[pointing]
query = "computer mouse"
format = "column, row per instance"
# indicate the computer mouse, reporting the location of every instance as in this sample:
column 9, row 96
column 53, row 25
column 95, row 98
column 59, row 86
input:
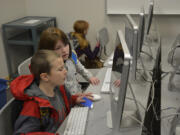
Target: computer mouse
column 87, row 103
column 96, row 97
column 110, row 62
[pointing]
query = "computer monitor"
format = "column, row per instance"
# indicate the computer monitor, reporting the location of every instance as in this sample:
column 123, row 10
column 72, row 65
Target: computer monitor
column 157, row 65
column 103, row 38
column 131, row 37
column 150, row 16
column 154, row 100
column 141, row 31
column 134, row 36
column 116, row 117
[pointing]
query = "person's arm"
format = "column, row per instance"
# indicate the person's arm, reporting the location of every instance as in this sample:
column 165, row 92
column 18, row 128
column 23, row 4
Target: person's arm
column 28, row 123
column 75, row 99
column 86, row 74
column 83, row 71
column 91, row 55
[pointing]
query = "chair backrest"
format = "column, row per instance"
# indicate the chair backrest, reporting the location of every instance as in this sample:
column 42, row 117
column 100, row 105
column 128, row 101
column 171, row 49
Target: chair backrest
column 23, row 68
column 173, row 56
column 103, row 38
column 174, row 123
column 174, row 79
column 6, row 118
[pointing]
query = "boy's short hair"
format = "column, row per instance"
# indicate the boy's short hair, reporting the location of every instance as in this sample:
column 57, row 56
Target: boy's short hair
column 50, row 37
column 41, row 62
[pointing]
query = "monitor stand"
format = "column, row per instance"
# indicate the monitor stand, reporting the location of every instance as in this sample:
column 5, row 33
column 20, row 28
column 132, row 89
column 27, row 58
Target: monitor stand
column 128, row 119
column 131, row 118
column 141, row 75
column 149, row 40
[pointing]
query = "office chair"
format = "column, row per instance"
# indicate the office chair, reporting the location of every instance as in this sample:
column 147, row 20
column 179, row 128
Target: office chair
column 174, row 80
column 174, row 129
column 23, row 68
column 6, row 126
column 103, row 38
column 173, row 56
column 174, row 61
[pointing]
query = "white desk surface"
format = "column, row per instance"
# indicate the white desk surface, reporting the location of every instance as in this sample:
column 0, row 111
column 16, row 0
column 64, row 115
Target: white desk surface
column 98, row 115
column 96, row 123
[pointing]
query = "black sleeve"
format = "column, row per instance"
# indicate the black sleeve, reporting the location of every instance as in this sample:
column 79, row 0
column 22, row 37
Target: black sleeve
column 89, row 53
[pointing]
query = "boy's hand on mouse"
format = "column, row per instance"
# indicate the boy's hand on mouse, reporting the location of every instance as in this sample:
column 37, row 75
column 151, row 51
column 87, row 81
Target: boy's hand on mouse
column 89, row 95
column 82, row 95
column 80, row 99
column 94, row 81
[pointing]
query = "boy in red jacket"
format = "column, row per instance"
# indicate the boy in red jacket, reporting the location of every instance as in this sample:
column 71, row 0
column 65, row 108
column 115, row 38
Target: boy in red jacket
column 46, row 105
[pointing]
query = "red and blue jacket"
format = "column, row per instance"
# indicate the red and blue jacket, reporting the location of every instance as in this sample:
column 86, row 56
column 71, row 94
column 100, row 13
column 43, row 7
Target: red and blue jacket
column 38, row 116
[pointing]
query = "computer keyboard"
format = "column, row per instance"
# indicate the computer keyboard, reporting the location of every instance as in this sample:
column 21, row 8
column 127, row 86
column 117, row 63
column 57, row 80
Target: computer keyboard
column 107, row 80
column 76, row 121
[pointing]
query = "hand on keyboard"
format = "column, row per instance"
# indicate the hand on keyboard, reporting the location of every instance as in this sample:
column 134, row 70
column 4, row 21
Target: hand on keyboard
column 94, row 81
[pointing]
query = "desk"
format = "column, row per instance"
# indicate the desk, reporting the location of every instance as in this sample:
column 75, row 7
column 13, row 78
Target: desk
column 96, row 124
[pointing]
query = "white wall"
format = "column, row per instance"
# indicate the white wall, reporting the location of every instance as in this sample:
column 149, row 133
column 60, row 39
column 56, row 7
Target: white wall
column 68, row 11
column 9, row 10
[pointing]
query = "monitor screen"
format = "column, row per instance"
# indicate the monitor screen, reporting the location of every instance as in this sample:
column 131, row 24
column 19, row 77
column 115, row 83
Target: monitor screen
column 154, row 100
column 150, row 16
column 131, row 37
column 119, row 80
column 157, row 64
column 141, row 31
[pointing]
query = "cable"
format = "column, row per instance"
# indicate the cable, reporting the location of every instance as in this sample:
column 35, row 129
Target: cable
column 168, row 108
column 143, row 77
column 152, row 96
column 170, row 115
column 155, row 112
column 143, row 69
column 164, row 75
column 134, row 118
column 147, row 55
column 165, row 71
column 137, row 102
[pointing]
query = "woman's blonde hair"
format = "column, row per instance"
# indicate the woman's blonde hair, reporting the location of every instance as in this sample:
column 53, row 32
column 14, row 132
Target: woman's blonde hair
column 79, row 27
